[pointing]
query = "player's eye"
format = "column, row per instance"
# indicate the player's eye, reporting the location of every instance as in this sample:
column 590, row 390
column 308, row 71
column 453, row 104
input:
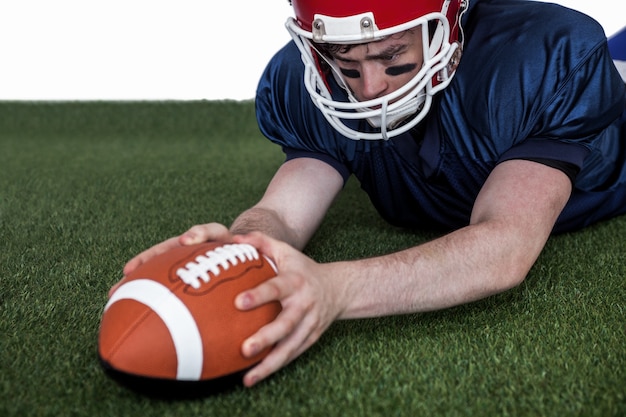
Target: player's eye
column 400, row 69
column 350, row 73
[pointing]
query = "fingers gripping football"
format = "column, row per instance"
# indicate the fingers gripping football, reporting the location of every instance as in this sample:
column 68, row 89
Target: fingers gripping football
column 205, row 233
column 309, row 305
column 174, row 320
column 195, row 235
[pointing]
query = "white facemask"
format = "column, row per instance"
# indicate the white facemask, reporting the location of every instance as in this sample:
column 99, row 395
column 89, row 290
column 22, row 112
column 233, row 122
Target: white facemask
column 394, row 113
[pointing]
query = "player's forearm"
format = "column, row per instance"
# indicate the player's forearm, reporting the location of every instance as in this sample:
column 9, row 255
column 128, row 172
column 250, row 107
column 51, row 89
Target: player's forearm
column 464, row 266
column 511, row 221
column 267, row 221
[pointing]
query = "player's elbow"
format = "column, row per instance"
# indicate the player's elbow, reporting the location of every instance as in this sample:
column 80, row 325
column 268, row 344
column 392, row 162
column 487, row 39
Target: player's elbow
column 510, row 275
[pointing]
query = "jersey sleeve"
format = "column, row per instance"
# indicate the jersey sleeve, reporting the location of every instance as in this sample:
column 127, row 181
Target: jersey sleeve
column 543, row 95
column 571, row 123
column 287, row 116
column 578, row 125
column 549, row 94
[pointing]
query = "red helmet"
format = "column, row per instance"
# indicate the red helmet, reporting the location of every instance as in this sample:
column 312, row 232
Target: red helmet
column 361, row 21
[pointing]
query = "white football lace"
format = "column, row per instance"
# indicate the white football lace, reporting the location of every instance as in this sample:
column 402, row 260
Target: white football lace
column 214, row 261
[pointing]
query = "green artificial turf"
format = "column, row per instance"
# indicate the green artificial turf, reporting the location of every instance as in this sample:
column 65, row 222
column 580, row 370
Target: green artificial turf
column 85, row 186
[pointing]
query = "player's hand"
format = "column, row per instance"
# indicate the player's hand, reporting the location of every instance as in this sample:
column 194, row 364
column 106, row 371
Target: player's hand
column 310, row 298
column 196, row 234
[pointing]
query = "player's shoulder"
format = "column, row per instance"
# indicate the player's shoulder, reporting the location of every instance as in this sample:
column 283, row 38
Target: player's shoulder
column 285, row 66
column 528, row 19
column 285, row 112
column 529, row 36
column 281, row 83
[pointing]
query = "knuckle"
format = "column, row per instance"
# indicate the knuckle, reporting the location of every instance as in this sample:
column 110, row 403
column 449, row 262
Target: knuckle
column 274, row 290
column 287, row 324
column 198, row 228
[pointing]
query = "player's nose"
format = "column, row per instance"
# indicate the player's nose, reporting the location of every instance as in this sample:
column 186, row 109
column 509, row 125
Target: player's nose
column 373, row 82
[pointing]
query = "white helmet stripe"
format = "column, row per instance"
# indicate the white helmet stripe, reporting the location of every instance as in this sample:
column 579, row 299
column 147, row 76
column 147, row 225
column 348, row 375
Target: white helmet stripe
column 177, row 319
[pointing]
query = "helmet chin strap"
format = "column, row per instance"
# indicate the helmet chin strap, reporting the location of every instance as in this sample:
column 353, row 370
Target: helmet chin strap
column 393, row 118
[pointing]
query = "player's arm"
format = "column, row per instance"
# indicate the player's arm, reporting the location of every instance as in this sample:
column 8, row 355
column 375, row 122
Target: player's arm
column 294, row 203
column 291, row 209
column 510, row 224
column 512, row 219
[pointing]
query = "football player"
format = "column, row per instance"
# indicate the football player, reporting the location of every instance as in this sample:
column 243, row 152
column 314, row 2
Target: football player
column 499, row 122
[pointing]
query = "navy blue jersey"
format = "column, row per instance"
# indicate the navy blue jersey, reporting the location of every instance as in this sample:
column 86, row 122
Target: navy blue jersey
column 536, row 81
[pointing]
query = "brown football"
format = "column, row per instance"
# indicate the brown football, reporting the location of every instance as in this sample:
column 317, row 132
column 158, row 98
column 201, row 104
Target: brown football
column 172, row 323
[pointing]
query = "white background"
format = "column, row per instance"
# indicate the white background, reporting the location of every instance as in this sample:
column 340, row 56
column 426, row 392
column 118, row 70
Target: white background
column 156, row 49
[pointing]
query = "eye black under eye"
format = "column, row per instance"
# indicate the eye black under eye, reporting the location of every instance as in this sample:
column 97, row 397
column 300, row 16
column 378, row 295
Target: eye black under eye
column 400, row 69
column 350, row 73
